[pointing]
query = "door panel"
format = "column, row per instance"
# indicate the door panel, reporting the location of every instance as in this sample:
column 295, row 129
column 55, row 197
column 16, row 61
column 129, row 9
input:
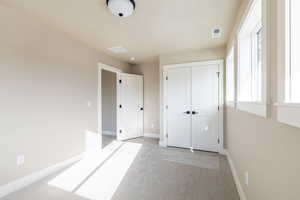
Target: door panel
column 130, row 102
column 178, row 101
column 205, row 104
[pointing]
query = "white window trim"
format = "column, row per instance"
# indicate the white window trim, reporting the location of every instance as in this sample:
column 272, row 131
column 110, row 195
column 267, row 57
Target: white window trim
column 257, row 108
column 232, row 103
column 287, row 113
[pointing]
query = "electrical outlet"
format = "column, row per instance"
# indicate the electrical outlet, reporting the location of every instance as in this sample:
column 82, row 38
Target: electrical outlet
column 20, row 160
column 247, row 178
column 152, row 125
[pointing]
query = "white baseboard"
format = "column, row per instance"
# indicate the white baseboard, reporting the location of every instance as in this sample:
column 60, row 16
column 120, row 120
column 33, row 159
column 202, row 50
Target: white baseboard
column 162, row 143
column 152, row 135
column 235, row 176
column 110, row 133
column 223, row 152
column 36, row 176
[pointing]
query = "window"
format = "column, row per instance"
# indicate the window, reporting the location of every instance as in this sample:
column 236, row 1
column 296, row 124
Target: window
column 293, row 67
column 251, row 82
column 288, row 106
column 230, row 79
column 250, row 56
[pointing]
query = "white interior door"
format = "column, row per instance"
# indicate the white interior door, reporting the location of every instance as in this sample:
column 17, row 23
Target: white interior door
column 178, row 102
column 130, row 106
column 205, row 107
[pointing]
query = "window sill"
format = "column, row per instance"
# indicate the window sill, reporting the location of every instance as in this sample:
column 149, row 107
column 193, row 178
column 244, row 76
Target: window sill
column 288, row 113
column 230, row 104
column 257, row 108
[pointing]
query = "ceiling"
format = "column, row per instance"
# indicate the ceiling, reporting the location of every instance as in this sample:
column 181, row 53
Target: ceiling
column 157, row 27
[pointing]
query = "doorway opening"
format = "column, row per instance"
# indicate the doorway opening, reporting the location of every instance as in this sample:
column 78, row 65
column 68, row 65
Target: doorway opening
column 109, row 106
column 120, row 105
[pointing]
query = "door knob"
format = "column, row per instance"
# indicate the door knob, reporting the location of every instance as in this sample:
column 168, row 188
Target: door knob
column 187, row 112
column 194, row 112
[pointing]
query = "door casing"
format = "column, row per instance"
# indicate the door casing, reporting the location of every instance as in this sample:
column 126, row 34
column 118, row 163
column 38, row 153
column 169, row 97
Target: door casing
column 115, row 70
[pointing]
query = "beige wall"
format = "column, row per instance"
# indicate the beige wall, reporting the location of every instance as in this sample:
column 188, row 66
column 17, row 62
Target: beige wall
column 46, row 80
column 109, row 101
column 268, row 150
column 150, row 71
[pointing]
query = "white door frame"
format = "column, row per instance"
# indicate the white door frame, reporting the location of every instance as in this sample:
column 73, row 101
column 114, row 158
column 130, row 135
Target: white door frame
column 163, row 109
column 101, row 67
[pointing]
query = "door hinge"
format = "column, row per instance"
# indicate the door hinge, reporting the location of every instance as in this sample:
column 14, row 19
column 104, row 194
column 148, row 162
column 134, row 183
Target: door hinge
column 218, row 107
column 167, row 106
column 167, row 135
column 167, row 78
column 120, row 81
column 218, row 141
column 120, row 131
column 218, row 74
column 120, row 106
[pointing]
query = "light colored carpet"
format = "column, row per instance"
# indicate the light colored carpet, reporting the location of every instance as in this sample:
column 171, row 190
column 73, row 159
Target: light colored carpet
column 138, row 170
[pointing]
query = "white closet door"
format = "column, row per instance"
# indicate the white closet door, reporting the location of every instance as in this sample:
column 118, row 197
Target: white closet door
column 205, row 106
column 130, row 106
column 178, row 101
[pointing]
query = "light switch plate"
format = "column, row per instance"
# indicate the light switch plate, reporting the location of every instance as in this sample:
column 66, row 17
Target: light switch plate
column 20, row 159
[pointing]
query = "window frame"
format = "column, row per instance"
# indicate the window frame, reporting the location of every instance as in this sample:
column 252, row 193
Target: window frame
column 252, row 105
column 230, row 59
column 287, row 112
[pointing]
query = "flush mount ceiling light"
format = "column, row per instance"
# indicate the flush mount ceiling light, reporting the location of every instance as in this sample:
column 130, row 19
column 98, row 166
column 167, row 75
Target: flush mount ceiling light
column 121, row 8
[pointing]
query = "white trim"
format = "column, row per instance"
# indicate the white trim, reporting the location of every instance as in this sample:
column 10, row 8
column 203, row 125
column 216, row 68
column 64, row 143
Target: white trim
column 163, row 136
column 230, row 59
column 192, row 64
column 235, row 176
column 294, row 105
column 162, row 143
column 230, row 104
column 116, row 70
column 109, row 133
column 36, row 176
column 110, row 68
column 151, row 135
column 256, row 108
column 282, row 48
column 288, row 113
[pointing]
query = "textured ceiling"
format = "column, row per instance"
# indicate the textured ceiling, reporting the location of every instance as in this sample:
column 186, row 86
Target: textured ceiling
column 157, row 27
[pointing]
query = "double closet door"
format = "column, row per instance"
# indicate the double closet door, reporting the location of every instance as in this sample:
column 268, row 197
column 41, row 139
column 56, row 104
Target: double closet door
column 192, row 98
